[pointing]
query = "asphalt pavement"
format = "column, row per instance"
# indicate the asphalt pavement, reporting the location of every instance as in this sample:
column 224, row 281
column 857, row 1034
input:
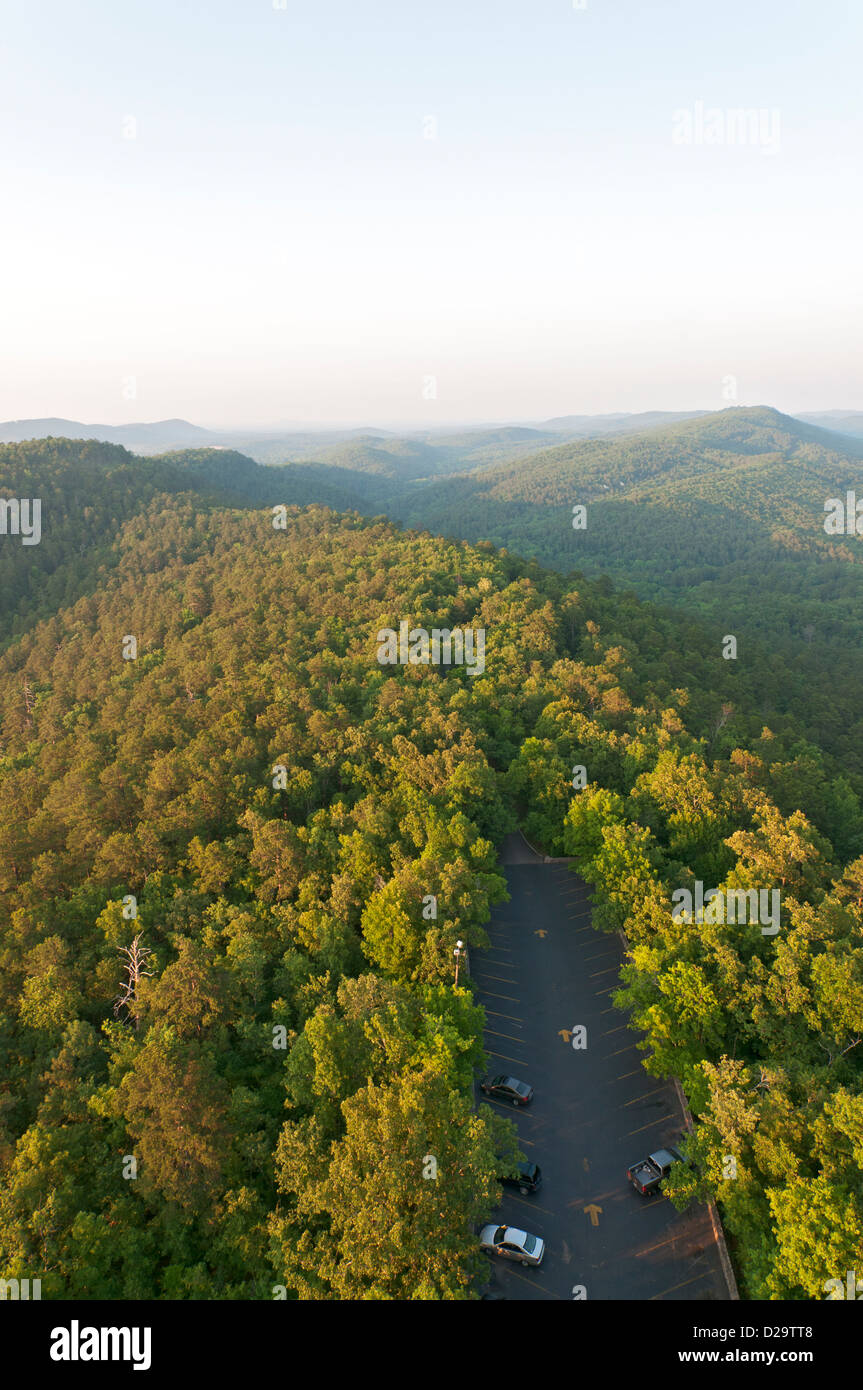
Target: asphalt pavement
column 595, row 1110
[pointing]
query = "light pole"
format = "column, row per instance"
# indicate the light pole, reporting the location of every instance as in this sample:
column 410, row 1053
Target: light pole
column 459, row 947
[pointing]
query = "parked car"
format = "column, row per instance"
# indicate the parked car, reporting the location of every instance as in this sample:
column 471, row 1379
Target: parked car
column 647, row 1175
column 526, row 1178
column 507, row 1088
column 512, row 1244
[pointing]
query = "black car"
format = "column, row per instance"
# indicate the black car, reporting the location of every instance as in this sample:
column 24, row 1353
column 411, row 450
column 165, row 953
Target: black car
column 526, row 1178
column 507, row 1088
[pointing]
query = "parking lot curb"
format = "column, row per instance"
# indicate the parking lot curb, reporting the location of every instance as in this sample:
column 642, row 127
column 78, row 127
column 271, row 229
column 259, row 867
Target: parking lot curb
column 715, row 1219
column 546, row 858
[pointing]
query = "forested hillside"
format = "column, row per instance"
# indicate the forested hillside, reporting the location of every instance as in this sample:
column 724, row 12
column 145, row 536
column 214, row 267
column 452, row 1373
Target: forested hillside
column 405, row 459
column 87, row 490
column 720, row 517
column 230, row 1031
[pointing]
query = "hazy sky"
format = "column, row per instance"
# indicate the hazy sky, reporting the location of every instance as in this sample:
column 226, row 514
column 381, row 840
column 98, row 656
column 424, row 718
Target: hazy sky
column 240, row 208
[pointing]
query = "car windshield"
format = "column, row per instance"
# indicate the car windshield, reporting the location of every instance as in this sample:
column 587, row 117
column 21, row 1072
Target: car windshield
column 499, row 1235
column 520, row 1087
column 530, row 1244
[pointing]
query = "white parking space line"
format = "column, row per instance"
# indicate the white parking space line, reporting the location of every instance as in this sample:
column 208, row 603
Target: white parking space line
column 660, row 1120
column 638, row 1099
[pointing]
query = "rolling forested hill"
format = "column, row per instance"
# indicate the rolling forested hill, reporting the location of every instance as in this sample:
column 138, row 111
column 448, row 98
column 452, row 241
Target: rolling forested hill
column 436, row 453
column 87, row 490
column 405, row 459
column 228, row 1025
column 754, row 465
column 722, row 518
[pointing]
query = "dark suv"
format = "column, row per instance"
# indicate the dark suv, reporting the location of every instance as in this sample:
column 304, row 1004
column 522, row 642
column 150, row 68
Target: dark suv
column 527, row 1178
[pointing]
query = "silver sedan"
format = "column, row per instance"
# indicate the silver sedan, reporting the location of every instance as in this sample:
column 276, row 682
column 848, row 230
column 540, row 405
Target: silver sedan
column 512, row 1244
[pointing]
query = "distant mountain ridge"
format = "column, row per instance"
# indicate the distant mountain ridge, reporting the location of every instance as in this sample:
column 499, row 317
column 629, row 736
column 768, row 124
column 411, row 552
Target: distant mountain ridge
column 617, row 424
column 405, row 455
column 843, row 421
column 144, row 436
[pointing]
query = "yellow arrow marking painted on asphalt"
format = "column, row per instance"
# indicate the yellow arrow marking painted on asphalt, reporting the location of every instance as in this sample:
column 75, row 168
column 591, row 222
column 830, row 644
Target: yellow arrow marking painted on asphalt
column 594, row 1212
column 540, row 933
column 564, row 1033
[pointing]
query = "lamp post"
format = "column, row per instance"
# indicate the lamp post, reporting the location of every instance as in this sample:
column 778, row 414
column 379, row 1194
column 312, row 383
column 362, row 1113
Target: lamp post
column 459, row 947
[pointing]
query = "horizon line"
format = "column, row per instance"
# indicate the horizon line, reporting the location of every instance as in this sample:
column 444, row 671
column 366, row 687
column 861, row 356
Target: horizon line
column 415, row 426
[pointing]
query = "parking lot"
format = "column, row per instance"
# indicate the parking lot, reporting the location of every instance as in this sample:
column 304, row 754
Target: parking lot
column 594, row 1112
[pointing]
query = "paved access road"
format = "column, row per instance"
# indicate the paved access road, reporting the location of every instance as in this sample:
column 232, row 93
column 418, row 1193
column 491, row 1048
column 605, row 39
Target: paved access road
column 594, row 1113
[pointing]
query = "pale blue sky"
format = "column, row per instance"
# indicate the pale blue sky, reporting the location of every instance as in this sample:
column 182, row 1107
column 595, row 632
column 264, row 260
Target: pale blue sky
column 279, row 242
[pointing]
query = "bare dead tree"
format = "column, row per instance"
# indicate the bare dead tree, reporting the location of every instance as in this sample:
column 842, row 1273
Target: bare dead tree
column 137, row 959
column 725, row 713
column 834, row 1057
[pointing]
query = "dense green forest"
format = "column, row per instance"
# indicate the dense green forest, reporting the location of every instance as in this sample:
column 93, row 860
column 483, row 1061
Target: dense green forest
column 720, row 518
column 230, row 1034
column 87, row 490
